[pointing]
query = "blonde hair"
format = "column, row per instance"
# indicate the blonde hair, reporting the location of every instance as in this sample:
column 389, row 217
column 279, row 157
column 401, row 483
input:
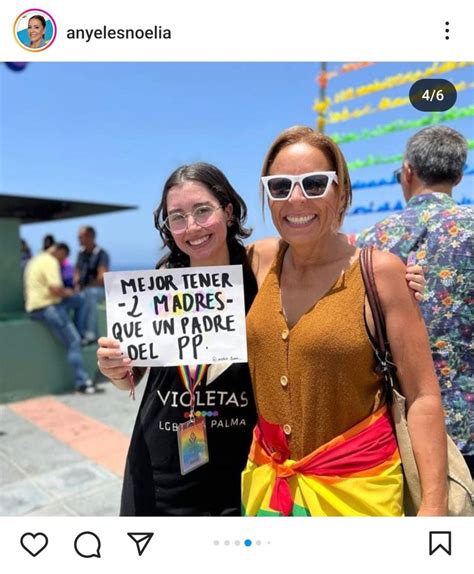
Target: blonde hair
column 307, row 135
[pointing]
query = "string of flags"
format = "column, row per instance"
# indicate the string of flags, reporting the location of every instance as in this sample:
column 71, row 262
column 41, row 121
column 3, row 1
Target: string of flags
column 401, row 125
column 391, row 181
column 394, row 81
column 371, row 160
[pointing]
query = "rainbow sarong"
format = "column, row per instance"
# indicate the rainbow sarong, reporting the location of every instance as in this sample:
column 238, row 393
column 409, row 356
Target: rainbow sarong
column 358, row 473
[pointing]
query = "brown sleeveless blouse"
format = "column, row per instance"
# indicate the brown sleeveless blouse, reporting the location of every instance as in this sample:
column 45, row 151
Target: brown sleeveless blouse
column 316, row 380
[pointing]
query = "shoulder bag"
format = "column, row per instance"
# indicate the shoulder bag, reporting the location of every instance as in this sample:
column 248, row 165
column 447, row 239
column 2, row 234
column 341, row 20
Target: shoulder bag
column 460, row 493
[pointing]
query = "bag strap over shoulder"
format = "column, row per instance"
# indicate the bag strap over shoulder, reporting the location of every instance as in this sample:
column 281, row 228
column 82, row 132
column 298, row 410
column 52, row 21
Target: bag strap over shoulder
column 367, row 269
column 382, row 347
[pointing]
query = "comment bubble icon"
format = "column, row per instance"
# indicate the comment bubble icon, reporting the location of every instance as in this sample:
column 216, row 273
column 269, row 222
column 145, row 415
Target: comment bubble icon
column 87, row 545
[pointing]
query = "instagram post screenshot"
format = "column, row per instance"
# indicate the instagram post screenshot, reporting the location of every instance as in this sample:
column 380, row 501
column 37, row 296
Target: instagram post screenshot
column 236, row 282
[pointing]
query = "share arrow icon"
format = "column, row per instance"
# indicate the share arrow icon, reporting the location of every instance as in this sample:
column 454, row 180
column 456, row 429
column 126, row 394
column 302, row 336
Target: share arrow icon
column 141, row 539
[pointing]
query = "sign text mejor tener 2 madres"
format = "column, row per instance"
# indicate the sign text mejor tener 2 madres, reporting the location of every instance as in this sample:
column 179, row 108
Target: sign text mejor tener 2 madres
column 178, row 316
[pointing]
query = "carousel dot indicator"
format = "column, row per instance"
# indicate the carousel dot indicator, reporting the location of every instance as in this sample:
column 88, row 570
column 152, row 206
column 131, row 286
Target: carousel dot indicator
column 248, row 542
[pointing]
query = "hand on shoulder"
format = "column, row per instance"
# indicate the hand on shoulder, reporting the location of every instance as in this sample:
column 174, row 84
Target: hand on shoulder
column 390, row 278
column 261, row 254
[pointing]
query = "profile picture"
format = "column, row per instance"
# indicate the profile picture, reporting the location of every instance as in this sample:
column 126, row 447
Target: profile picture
column 35, row 30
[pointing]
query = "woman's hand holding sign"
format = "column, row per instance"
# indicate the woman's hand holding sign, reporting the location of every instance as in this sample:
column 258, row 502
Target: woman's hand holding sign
column 112, row 363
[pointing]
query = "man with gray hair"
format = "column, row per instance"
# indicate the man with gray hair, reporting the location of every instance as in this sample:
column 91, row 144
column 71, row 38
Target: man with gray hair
column 436, row 233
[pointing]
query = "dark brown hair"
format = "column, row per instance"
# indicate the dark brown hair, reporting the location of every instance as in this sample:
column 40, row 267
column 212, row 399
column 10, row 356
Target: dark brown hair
column 217, row 183
column 41, row 19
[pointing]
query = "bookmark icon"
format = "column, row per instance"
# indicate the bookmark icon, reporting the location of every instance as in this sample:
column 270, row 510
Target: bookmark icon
column 141, row 539
column 440, row 541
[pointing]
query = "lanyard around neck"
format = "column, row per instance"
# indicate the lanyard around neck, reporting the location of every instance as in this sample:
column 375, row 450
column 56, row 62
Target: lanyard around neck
column 191, row 377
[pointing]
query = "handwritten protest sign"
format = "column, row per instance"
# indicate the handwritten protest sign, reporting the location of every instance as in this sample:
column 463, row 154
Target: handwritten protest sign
column 187, row 316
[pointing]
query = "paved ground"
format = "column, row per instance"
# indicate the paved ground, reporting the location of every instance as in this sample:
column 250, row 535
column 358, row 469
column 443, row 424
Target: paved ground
column 64, row 455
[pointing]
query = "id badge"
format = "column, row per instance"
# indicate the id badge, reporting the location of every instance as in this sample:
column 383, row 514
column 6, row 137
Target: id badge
column 192, row 444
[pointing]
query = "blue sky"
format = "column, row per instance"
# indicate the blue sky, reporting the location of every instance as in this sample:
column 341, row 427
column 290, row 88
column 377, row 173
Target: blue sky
column 113, row 132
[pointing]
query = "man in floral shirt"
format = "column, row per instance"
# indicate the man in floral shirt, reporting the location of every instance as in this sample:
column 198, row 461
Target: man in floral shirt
column 438, row 234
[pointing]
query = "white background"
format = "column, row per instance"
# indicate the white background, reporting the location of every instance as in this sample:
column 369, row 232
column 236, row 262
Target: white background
column 254, row 30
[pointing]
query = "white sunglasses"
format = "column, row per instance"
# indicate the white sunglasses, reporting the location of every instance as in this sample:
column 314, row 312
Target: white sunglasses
column 315, row 184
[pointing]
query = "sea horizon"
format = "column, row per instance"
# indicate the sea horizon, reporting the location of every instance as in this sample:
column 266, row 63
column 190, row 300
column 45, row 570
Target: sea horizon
column 133, row 266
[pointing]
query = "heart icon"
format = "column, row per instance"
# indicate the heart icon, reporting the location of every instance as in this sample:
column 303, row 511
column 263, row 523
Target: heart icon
column 34, row 543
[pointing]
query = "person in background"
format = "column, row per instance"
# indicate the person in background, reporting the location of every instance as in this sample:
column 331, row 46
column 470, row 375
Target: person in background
column 67, row 270
column 67, row 273
column 25, row 254
column 324, row 444
column 92, row 262
column 438, row 234
column 48, row 240
column 48, row 301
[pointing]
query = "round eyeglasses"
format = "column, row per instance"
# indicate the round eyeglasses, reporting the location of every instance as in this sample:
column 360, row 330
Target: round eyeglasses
column 178, row 222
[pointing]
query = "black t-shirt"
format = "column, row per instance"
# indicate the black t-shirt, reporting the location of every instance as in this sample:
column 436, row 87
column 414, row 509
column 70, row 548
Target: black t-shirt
column 153, row 483
column 89, row 263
